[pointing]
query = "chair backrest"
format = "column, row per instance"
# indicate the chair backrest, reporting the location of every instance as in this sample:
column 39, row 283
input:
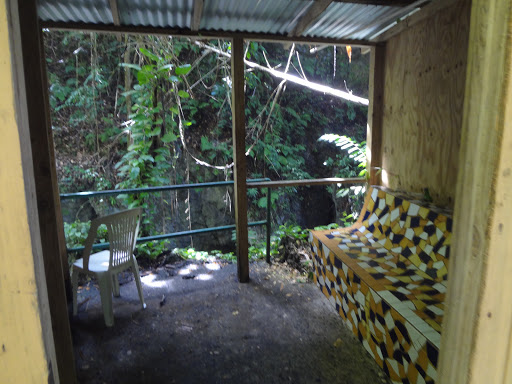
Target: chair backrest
column 123, row 228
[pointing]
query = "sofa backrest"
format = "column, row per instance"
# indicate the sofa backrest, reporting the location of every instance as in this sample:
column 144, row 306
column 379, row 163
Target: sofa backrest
column 413, row 228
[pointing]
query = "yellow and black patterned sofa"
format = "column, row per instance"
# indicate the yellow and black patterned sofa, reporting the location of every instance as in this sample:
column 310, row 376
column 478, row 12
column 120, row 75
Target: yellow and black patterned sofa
column 386, row 275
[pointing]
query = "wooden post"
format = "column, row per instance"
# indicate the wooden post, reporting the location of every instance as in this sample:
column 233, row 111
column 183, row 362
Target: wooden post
column 27, row 341
column 240, row 169
column 476, row 343
column 375, row 111
column 47, row 191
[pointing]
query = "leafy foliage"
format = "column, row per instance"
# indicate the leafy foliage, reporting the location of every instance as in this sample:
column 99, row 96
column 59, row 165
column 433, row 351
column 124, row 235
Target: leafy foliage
column 146, row 111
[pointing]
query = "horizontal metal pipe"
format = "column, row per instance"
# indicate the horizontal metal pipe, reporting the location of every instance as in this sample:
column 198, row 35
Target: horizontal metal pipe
column 172, row 235
column 308, row 182
column 87, row 194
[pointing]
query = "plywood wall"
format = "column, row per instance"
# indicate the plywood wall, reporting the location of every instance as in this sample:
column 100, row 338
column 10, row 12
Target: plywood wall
column 424, row 80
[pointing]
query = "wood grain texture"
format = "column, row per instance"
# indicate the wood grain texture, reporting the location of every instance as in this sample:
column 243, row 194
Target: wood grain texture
column 27, row 351
column 426, row 12
column 47, row 191
column 477, row 328
column 198, row 14
column 316, row 9
column 375, row 109
column 115, row 12
column 424, row 82
column 240, row 168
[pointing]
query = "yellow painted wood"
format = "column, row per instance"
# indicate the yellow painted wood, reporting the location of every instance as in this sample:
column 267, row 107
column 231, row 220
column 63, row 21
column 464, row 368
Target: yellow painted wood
column 22, row 349
column 476, row 339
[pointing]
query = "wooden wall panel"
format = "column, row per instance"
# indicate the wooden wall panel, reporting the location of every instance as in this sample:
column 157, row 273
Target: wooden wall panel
column 424, row 82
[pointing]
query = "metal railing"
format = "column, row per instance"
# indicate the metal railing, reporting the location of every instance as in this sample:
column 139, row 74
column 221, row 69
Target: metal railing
column 253, row 183
column 89, row 194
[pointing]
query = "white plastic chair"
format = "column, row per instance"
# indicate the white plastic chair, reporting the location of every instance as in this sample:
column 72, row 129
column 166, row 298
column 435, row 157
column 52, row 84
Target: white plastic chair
column 123, row 228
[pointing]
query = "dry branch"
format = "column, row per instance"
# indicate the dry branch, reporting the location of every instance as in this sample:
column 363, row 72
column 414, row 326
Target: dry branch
column 294, row 79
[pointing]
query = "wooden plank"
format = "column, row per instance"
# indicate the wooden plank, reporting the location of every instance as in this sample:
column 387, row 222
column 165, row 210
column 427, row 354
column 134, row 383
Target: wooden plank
column 424, row 81
column 310, row 17
column 308, row 182
column 201, row 34
column 477, row 327
column 27, row 349
column 391, row 3
column 198, row 13
column 47, row 191
column 425, row 13
column 375, row 109
column 115, row 12
column 240, row 168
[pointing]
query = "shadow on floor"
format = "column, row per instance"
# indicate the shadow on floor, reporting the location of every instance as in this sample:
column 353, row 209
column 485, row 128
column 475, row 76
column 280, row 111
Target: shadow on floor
column 202, row 326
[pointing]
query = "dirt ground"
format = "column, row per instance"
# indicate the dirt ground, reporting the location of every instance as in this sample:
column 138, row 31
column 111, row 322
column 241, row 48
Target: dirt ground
column 202, row 326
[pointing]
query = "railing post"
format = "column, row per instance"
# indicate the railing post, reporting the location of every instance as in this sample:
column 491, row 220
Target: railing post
column 269, row 225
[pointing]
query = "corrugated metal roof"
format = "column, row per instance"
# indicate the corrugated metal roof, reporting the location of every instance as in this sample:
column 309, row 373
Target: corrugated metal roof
column 340, row 21
column 156, row 13
column 85, row 11
column 262, row 16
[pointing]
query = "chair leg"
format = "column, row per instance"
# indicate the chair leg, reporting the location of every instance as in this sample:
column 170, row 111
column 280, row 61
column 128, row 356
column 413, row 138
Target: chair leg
column 74, row 283
column 105, row 283
column 136, row 274
column 115, row 285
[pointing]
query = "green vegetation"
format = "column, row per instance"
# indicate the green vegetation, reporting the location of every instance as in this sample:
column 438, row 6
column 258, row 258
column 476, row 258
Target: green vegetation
column 140, row 111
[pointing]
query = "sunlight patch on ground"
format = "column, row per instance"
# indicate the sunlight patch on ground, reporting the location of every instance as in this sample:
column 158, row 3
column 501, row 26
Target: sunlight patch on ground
column 186, row 271
column 212, row 266
column 204, row 276
column 150, row 280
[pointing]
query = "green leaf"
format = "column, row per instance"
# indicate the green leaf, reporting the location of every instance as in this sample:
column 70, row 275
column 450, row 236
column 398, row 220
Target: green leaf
column 134, row 172
column 149, row 54
column 262, row 202
column 143, row 77
column 183, row 94
column 283, row 160
column 205, row 144
column 183, row 69
column 168, row 137
column 165, row 67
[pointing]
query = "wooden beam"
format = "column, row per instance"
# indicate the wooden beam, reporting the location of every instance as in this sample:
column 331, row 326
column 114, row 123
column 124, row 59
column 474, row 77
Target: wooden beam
column 198, row 13
column 310, row 17
column 201, row 34
column 115, row 12
column 391, row 3
column 28, row 350
column 47, row 191
column 425, row 13
column 375, row 112
column 476, row 342
column 308, row 182
column 240, row 168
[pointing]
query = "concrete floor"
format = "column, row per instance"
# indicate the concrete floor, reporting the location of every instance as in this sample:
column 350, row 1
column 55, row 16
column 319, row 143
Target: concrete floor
column 202, row 326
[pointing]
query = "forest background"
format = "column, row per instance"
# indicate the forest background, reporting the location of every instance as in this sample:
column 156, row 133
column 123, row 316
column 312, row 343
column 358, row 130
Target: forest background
column 133, row 111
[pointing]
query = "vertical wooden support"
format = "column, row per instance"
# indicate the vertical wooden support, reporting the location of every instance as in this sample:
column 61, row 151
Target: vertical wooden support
column 27, row 352
column 240, row 170
column 476, row 343
column 375, row 111
column 47, row 192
